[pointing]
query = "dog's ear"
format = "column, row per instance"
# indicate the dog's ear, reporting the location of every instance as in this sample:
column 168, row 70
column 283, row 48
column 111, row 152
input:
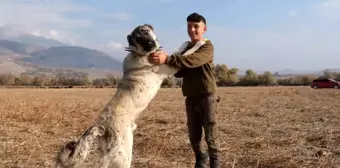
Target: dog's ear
column 129, row 39
column 149, row 25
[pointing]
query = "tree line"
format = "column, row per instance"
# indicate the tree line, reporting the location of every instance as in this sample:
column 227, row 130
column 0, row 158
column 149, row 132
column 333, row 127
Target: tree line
column 59, row 80
column 224, row 77
column 230, row 77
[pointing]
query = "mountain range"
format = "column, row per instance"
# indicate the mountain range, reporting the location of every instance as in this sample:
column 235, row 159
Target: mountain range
column 22, row 52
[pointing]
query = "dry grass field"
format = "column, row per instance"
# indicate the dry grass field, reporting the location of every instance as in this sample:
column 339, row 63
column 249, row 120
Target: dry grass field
column 259, row 127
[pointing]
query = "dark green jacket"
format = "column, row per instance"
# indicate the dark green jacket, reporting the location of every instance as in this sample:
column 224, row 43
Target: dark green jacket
column 196, row 70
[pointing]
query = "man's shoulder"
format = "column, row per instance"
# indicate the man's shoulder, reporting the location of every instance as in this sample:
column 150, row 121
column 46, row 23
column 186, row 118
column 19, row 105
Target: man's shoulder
column 207, row 44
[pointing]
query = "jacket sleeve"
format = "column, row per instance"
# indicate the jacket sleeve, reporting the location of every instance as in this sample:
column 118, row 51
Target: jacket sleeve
column 202, row 56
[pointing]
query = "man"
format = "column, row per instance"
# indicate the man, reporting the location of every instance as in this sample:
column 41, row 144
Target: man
column 199, row 87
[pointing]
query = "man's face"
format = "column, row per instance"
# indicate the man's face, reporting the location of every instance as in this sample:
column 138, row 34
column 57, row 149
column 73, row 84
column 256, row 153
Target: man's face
column 196, row 30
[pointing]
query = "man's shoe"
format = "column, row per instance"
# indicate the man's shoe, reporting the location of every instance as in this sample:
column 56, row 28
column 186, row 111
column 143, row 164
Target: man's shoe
column 201, row 161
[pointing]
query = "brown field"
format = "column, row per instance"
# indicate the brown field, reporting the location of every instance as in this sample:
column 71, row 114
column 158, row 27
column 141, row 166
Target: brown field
column 259, row 127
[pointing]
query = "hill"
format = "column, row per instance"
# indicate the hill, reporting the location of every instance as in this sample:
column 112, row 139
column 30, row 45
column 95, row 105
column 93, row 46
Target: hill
column 16, row 47
column 16, row 58
column 9, row 32
column 73, row 57
column 23, row 52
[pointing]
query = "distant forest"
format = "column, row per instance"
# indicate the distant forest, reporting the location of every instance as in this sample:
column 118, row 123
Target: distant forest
column 224, row 77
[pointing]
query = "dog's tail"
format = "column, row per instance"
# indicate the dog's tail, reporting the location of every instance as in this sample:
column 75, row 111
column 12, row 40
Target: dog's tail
column 75, row 152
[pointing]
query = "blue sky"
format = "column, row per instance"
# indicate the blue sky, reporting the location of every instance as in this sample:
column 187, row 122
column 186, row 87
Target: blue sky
column 258, row 34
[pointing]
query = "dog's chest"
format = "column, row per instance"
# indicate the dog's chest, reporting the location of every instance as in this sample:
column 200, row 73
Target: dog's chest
column 141, row 80
column 137, row 63
column 144, row 86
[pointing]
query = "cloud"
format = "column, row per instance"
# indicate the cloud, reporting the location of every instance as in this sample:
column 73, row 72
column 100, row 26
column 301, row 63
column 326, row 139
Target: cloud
column 329, row 5
column 305, row 36
column 329, row 10
column 165, row 1
column 45, row 18
column 112, row 45
column 35, row 13
column 292, row 12
column 65, row 37
column 114, row 49
column 122, row 16
column 62, row 20
column 308, row 40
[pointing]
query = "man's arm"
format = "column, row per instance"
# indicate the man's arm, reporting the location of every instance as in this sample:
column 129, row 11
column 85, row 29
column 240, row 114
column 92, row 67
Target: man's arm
column 202, row 56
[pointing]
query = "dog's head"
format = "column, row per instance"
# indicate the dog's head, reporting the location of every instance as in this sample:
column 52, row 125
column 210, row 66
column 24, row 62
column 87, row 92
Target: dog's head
column 142, row 40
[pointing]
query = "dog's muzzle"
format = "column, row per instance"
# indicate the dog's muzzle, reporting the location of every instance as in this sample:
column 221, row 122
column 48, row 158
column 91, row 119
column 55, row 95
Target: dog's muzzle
column 149, row 45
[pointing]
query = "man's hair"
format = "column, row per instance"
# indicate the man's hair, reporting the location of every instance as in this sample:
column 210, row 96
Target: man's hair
column 195, row 17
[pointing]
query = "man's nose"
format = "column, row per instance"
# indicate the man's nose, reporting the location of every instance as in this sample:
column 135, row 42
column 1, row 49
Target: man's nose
column 191, row 29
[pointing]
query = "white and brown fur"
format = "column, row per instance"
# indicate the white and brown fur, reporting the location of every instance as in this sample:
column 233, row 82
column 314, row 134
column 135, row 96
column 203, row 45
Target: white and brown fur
column 116, row 123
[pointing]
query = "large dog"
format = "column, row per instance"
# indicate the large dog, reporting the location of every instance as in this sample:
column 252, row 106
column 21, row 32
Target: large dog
column 114, row 128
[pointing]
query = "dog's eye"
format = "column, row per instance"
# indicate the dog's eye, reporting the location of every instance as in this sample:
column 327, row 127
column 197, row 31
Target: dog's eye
column 145, row 31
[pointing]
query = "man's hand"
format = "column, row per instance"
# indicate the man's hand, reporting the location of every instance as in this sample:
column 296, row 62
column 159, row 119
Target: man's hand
column 158, row 57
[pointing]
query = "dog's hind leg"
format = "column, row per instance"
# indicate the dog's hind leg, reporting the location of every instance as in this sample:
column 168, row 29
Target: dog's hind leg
column 129, row 146
column 75, row 152
column 116, row 148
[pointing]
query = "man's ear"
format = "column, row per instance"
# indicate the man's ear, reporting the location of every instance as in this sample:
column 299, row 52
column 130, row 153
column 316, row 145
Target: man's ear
column 129, row 39
column 205, row 28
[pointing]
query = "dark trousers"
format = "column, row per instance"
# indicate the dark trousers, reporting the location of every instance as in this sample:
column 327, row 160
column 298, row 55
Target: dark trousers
column 201, row 113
